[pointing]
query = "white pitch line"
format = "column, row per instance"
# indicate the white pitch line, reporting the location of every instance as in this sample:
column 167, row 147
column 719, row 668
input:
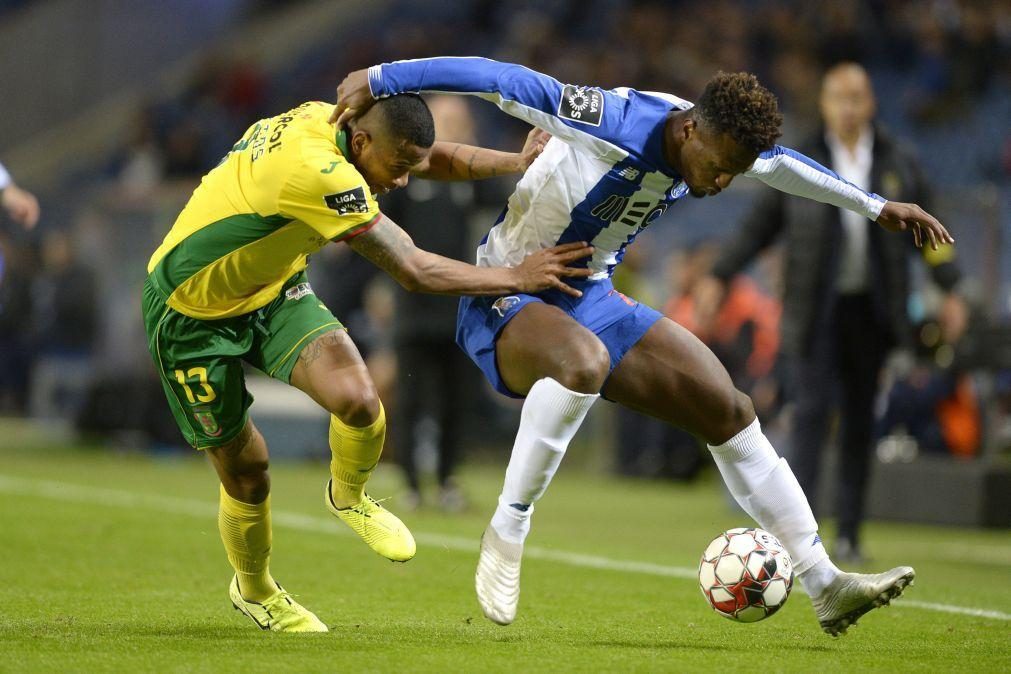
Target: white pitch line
column 65, row 491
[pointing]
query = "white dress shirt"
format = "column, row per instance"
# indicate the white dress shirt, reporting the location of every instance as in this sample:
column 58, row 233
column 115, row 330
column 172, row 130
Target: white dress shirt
column 855, row 167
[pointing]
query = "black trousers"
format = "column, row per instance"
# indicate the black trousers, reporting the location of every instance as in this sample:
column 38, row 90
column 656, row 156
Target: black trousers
column 432, row 378
column 841, row 369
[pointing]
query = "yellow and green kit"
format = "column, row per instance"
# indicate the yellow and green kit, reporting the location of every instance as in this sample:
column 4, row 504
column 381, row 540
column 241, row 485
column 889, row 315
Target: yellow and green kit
column 228, row 283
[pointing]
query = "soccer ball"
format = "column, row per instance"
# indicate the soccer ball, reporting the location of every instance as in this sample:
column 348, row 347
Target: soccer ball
column 746, row 574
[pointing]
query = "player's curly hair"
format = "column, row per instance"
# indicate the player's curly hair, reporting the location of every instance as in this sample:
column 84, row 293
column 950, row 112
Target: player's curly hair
column 407, row 117
column 737, row 104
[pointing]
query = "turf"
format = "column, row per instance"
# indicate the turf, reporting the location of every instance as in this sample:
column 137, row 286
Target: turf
column 112, row 563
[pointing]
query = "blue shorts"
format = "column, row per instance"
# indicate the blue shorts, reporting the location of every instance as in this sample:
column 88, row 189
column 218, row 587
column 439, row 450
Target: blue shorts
column 618, row 321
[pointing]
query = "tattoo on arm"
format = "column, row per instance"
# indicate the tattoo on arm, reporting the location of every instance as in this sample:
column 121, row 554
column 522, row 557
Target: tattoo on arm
column 387, row 246
column 452, row 157
column 470, row 164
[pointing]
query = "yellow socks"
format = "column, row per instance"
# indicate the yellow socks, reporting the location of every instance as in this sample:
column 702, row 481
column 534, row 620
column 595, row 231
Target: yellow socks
column 355, row 454
column 245, row 531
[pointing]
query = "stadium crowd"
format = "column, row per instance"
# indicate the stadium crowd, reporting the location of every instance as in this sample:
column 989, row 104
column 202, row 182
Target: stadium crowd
column 945, row 66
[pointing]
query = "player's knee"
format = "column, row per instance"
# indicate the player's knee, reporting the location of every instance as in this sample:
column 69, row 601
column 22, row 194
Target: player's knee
column 358, row 406
column 585, row 367
column 253, row 484
column 740, row 414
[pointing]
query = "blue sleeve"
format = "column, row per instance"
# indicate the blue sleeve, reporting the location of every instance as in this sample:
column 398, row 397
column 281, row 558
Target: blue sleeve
column 589, row 117
column 794, row 173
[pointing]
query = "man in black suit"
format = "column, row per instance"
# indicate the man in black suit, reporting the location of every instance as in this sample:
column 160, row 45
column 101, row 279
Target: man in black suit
column 846, row 289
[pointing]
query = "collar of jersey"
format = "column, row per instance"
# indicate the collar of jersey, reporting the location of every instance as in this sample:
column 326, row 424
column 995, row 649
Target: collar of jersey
column 342, row 143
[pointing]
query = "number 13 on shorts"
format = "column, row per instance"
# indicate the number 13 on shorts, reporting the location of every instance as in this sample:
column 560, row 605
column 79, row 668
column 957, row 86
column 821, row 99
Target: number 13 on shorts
column 206, row 393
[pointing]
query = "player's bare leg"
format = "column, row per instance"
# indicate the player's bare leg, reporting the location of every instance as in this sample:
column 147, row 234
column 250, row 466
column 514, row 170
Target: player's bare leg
column 669, row 374
column 560, row 366
column 331, row 371
column 244, row 525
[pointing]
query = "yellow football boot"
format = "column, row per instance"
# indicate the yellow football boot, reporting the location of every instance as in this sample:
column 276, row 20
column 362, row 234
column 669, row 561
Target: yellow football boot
column 378, row 527
column 279, row 613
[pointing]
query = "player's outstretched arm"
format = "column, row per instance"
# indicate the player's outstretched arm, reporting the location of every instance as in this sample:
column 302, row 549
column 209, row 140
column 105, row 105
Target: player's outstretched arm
column 456, row 161
column 21, row 205
column 390, row 248
column 590, row 117
column 794, row 173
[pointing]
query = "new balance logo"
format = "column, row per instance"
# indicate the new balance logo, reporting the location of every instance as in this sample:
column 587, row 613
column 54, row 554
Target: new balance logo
column 629, row 173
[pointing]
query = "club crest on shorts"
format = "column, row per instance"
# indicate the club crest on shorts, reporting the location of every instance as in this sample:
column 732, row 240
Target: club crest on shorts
column 207, row 421
column 504, row 304
column 297, row 292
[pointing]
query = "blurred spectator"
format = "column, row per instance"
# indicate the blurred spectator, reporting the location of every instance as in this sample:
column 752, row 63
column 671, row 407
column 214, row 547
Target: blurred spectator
column 65, row 322
column 649, row 447
column 434, row 377
column 743, row 331
column 16, row 347
column 934, row 402
column 842, row 311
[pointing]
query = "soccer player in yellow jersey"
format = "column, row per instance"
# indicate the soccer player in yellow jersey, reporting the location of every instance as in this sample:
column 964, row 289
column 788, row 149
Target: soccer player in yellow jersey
column 228, row 286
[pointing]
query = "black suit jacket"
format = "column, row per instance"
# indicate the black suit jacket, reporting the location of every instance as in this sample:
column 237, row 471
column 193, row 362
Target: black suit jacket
column 813, row 238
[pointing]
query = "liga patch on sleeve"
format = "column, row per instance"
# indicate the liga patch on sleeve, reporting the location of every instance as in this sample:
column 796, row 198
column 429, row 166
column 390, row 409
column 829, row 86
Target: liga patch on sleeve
column 348, row 201
column 581, row 104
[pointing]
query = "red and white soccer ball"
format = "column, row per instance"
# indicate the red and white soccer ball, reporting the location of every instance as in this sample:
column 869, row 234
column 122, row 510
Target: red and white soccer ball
column 746, row 574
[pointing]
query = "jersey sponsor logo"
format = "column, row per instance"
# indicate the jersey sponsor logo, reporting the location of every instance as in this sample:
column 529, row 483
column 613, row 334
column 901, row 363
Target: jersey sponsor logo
column 207, row 421
column 297, row 292
column 348, row 201
column 504, row 304
column 581, row 104
column 618, row 208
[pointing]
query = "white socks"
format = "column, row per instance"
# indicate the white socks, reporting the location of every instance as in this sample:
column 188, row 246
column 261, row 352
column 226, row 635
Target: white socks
column 763, row 484
column 551, row 416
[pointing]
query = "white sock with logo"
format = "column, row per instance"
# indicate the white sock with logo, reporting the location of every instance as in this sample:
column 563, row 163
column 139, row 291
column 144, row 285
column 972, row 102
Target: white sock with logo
column 765, row 487
column 551, row 416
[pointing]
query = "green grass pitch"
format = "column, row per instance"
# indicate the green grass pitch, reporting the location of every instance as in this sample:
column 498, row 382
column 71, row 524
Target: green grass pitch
column 113, row 563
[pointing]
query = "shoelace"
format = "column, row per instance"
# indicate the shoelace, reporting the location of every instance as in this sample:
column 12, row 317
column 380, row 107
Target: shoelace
column 369, row 505
column 277, row 599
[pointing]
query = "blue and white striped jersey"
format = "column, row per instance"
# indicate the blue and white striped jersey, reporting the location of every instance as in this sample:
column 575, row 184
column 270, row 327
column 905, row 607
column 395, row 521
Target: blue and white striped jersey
column 602, row 177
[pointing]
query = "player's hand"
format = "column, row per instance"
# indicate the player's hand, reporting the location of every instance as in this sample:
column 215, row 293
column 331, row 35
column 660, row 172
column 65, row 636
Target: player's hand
column 354, row 98
column 545, row 269
column 898, row 217
column 21, row 205
column 537, row 139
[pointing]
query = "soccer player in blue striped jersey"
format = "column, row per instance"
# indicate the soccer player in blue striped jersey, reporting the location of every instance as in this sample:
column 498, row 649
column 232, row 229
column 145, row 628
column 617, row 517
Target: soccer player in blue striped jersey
column 618, row 160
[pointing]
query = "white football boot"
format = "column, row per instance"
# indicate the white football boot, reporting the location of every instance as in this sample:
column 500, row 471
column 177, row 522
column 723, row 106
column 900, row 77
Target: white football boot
column 498, row 577
column 851, row 595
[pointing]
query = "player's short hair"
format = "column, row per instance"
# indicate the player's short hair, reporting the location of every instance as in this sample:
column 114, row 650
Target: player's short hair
column 407, row 117
column 735, row 103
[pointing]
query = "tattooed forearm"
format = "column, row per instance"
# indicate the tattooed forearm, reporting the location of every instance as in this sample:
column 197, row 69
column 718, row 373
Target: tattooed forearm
column 388, row 247
column 452, row 157
column 476, row 163
column 470, row 164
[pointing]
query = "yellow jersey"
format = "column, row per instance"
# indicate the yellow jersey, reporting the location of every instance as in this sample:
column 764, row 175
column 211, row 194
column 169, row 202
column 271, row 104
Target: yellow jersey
column 281, row 193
